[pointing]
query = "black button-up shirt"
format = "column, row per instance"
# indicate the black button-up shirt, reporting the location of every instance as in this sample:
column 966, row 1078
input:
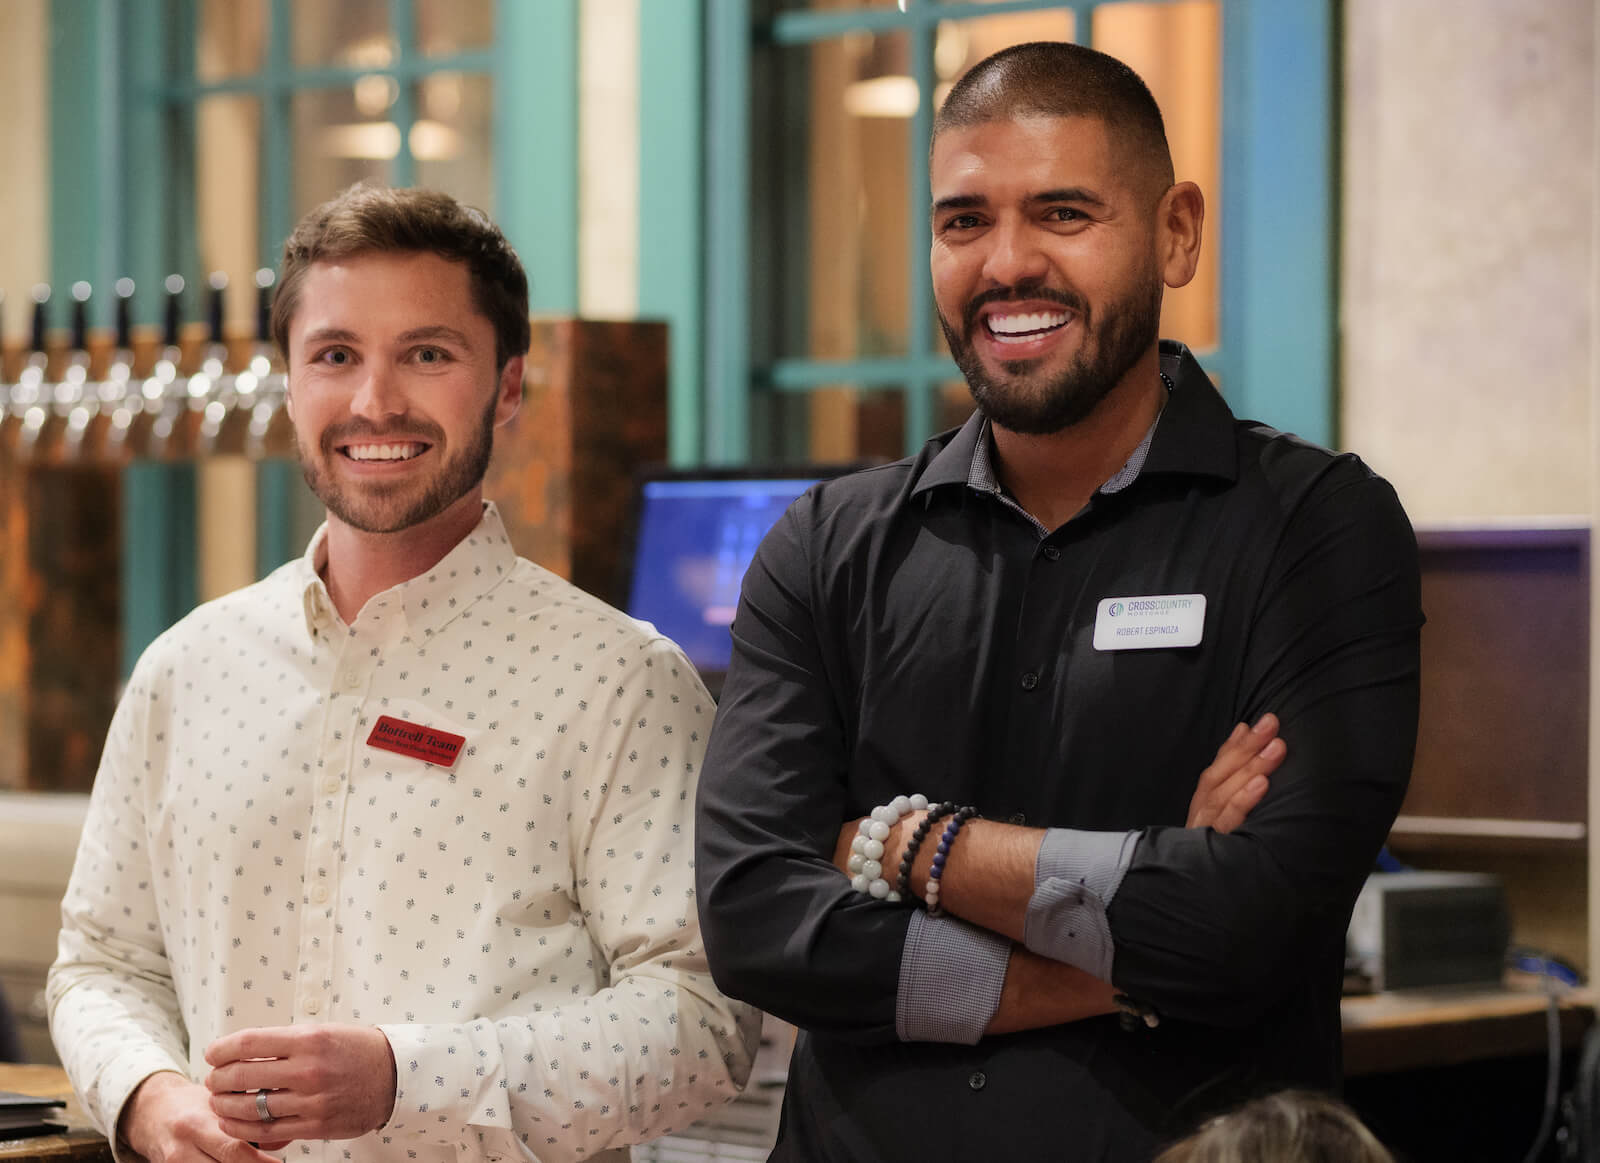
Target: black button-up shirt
column 900, row 631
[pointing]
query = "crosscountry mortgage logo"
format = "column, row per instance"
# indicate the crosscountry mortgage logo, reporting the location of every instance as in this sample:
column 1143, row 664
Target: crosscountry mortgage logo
column 1116, row 608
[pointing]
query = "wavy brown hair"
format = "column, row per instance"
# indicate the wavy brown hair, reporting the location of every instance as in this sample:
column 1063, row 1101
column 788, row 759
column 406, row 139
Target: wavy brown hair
column 366, row 219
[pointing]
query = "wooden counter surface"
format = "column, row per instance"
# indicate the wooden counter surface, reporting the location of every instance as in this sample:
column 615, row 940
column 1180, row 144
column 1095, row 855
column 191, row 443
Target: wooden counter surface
column 1445, row 1026
column 80, row 1142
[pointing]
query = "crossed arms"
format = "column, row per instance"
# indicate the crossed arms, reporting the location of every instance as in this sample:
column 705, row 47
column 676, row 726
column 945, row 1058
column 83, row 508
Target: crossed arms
column 1208, row 924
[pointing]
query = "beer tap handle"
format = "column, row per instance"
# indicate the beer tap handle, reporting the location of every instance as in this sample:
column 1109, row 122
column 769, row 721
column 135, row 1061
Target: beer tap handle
column 174, row 312
column 124, row 319
column 41, row 317
column 265, row 278
column 216, row 307
column 80, row 316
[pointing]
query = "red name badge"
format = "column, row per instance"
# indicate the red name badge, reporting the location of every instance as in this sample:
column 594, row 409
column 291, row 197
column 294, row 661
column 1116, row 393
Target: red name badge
column 417, row 741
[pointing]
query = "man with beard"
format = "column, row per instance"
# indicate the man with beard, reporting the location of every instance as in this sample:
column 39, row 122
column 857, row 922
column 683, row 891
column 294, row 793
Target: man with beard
column 1049, row 619
column 391, row 847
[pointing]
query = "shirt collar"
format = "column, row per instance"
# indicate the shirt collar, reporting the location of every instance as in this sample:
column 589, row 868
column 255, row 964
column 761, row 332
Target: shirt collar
column 1196, row 437
column 1193, row 434
column 983, row 478
column 953, row 463
column 429, row 601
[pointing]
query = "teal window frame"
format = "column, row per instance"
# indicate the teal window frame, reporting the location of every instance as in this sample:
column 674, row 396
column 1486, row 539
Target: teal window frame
column 1278, row 276
column 122, row 100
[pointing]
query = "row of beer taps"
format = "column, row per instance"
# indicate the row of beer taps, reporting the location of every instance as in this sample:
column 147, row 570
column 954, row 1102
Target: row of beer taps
column 165, row 406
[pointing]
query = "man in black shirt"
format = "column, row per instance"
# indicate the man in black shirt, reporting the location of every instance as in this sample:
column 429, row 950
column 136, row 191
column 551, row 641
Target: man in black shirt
column 1053, row 616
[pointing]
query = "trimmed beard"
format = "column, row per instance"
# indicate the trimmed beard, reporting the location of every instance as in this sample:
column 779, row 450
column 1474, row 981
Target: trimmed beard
column 455, row 479
column 1114, row 341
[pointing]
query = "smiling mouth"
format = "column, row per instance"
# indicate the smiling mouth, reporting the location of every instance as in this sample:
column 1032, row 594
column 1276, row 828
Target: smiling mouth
column 1024, row 327
column 397, row 451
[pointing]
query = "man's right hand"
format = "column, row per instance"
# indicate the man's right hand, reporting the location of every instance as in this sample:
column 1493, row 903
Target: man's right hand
column 169, row 1119
column 1237, row 779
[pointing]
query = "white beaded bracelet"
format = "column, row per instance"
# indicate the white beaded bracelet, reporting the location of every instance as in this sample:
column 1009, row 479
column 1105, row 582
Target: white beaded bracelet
column 866, row 848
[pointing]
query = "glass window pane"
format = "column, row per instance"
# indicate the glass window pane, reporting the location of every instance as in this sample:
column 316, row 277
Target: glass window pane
column 450, row 139
column 962, row 44
column 846, row 423
column 352, row 33
column 336, row 144
column 954, row 404
column 232, row 37
column 1177, row 49
column 861, row 98
column 451, row 26
column 227, row 198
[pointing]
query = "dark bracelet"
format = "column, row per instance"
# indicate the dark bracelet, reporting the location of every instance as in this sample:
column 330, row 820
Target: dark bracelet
column 941, row 854
column 902, row 883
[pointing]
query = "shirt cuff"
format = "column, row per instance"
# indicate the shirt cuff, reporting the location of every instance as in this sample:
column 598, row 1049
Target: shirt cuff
column 950, row 979
column 438, row 1087
column 1075, row 877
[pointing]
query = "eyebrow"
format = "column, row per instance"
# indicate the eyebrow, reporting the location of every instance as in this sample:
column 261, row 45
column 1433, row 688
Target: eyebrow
column 1068, row 194
column 329, row 335
column 438, row 331
column 415, row 335
column 959, row 202
column 1043, row 197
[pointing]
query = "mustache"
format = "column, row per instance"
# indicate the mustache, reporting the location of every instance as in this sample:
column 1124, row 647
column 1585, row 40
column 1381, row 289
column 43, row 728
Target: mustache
column 1068, row 299
column 420, row 432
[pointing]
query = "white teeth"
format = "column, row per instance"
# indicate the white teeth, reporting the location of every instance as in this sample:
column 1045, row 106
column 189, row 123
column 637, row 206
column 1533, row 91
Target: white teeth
column 1005, row 326
column 382, row 451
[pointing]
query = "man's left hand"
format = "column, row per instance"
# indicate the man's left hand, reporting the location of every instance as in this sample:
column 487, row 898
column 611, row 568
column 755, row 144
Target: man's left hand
column 1228, row 790
column 321, row 1081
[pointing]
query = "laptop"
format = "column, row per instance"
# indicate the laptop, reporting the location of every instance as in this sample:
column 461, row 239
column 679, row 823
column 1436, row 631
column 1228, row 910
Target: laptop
column 692, row 536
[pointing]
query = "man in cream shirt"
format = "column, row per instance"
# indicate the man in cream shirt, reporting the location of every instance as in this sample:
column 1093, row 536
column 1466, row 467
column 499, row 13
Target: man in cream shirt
column 393, row 847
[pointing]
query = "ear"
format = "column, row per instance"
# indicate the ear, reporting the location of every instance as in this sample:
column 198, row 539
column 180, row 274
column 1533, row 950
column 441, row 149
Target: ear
column 509, row 392
column 1179, row 217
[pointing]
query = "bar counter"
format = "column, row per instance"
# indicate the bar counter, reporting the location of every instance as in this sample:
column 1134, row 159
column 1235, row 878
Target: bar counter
column 79, row 1143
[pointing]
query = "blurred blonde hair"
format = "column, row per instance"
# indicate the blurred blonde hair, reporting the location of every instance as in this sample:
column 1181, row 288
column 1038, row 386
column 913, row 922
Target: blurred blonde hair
column 1292, row 1126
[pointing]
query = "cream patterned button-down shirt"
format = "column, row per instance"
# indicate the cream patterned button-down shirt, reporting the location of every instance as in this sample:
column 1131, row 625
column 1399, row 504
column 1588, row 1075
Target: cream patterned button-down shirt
column 521, row 924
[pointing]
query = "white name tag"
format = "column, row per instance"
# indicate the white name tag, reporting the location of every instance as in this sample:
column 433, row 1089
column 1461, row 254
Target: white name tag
column 1150, row 622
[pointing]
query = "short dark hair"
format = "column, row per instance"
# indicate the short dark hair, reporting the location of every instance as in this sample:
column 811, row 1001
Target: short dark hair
column 1057, row 79
column 366, row 218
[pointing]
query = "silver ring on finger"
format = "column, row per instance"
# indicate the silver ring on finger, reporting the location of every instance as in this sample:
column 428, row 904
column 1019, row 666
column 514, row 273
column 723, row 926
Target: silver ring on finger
column 262, row 1112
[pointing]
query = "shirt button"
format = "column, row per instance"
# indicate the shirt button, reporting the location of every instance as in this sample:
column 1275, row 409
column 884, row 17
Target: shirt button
column 1051, row 553
column 331, row 785
column 978, row 1080
column 1029, row 681
column 319, row 894
column 352, row 680
column 312, row 1005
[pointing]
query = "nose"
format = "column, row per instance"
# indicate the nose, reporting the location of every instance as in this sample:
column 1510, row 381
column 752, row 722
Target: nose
column 378, row 395
column 1014, row 255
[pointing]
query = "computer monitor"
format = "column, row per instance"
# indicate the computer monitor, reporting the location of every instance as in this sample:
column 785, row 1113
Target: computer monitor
column 694, row 534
